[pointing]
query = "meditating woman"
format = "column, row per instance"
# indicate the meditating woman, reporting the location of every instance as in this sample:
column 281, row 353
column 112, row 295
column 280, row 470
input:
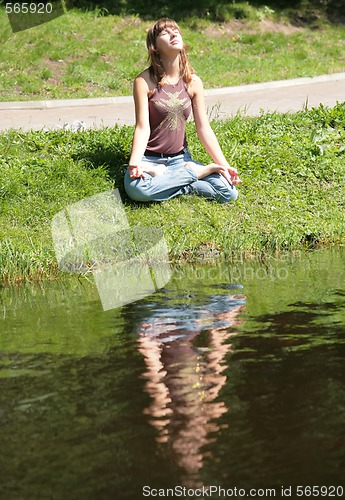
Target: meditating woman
column 160, row 165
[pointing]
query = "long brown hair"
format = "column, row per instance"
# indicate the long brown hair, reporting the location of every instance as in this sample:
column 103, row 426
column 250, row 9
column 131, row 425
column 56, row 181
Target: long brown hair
column 156, row 69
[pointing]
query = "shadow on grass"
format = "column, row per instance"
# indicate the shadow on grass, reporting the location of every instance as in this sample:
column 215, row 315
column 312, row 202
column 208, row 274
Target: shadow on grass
column 114, row 160
column 108, row 149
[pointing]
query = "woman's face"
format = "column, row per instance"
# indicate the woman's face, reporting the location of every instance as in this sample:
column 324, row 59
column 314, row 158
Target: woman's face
column 168, row 40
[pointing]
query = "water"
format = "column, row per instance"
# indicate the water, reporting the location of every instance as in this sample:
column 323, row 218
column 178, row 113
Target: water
column 230, row 377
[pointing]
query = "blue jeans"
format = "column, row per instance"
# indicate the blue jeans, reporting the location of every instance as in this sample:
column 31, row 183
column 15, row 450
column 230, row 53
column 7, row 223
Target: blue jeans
column 177, row 180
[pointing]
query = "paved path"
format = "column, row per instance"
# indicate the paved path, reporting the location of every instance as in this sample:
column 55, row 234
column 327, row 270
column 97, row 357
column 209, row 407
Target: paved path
column 281, row 96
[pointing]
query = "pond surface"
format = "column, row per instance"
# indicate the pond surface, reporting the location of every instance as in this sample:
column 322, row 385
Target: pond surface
column 232, row 376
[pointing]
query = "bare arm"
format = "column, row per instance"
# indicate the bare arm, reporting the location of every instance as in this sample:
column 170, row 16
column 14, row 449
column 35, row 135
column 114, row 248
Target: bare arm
column 204, row 129
column 142, row 126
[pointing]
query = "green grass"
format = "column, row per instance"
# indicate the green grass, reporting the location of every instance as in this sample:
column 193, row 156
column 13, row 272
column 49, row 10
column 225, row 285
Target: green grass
column 292, row 165
column 292, row 197
column 83, row 54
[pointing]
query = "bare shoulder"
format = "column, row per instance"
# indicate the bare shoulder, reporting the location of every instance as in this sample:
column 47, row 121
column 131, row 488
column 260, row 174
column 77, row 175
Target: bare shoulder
column 144, row 75
column 195, row 86
column 196, row 78
column 143, row 81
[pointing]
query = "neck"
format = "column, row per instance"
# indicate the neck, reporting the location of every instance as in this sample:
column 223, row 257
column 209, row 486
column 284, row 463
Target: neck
column 172, row 67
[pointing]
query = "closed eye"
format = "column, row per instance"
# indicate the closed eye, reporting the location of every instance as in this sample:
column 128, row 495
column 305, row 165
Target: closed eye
column 168, row 32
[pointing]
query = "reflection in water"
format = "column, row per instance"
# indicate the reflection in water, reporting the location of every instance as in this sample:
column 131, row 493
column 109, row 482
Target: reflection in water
column 72, row 398
column 184, row 379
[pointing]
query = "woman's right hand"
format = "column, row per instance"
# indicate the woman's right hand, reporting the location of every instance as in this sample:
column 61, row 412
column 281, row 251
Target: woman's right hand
column 135, row 172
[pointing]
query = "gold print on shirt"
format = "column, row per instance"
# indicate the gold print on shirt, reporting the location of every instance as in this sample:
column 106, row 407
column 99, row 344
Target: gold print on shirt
column 175, row 108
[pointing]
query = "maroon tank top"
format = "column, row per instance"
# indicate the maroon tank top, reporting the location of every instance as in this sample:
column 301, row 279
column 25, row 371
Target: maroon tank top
column 169, row 109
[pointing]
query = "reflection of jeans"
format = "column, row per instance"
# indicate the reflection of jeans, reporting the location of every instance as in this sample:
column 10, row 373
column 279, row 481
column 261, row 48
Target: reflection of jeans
column 177, row 180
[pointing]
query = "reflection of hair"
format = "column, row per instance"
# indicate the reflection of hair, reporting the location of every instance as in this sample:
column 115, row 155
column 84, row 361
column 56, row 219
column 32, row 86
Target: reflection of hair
column 156, row 68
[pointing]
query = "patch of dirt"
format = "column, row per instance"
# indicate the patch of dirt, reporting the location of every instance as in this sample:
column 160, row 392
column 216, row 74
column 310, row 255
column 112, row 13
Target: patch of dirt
column 56, row 67
column 269, row 26
column 125, row 22
column 265, row 26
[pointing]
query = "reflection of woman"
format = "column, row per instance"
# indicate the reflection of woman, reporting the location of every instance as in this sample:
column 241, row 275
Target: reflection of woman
column 160, row 166
column 184, row 380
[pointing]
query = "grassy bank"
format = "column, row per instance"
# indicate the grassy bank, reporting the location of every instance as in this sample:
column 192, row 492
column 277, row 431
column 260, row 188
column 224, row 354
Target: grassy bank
column 84, row 54
column 292, row 197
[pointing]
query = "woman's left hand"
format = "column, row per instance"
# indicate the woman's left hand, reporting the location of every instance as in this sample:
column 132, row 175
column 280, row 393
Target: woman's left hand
column 234, row 175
